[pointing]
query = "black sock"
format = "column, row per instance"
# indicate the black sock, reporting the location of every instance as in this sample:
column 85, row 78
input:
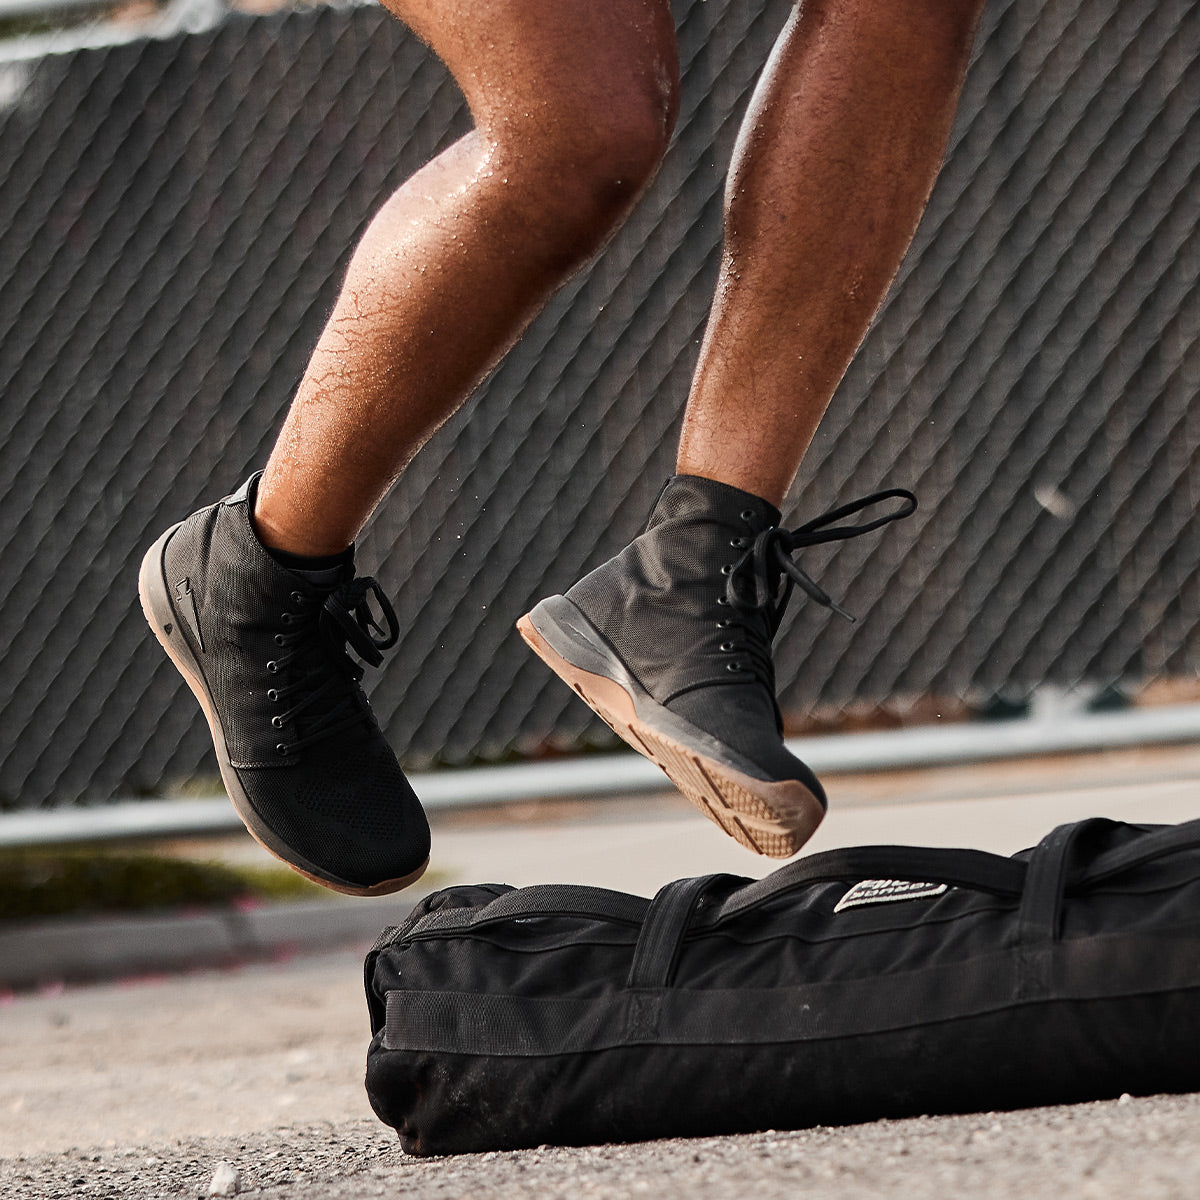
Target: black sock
column 318, row 569
column 300, row 562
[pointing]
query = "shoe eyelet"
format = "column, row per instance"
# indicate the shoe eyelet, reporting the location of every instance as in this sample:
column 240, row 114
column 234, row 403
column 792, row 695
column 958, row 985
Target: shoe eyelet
column 747, row 514
column 297, row 597
column 279, row 640
column 273, row 695
column 738, row 543
column 727, row 569
column 726, row 647
column 272, row 666
column 724, row 623
column 286, row 619
column 281, row 748
column 722, row 601
column 733, row 666
column 277, row 722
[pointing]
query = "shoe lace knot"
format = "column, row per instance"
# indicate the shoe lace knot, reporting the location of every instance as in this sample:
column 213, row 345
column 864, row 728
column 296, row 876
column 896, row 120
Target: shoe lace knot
column 321, row 677
column 347, row 619
column 753, row 583
column 762, row 581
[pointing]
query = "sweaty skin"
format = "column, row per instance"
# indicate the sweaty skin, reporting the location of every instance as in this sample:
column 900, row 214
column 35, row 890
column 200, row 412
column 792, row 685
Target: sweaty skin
column 574, row 102
column 832, row 170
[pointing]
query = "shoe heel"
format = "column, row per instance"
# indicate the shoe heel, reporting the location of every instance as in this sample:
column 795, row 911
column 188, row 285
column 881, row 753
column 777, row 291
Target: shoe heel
column 569, row 634
column 164, row 623
column 157, row 607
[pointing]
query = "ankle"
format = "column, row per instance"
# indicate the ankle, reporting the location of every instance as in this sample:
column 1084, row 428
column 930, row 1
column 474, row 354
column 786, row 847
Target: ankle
column 284, row 541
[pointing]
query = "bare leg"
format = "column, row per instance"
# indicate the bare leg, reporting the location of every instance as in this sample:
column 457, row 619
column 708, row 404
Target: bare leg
column 574, row 102
column 833, row 168
column 670, row 641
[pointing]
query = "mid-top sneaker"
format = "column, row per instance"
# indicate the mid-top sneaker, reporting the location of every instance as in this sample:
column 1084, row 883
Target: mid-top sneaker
column 266, row 650
column 670, row 642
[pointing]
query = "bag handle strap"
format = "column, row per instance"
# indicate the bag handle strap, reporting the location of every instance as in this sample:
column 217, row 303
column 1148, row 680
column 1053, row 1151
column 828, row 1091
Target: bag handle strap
column 1166, row 839
column 975, row 869
column 658, row 947
column 1039, row 919
column 539, row 900
column 656, row 955
column 1052, row 873
column 921, row 864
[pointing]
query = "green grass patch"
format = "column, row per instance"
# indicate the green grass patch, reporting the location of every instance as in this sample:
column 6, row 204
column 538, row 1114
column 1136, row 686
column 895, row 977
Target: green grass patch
column 46, row 883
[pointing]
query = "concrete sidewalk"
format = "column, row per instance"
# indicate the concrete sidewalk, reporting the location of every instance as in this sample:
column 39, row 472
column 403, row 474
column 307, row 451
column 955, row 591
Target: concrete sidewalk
column 633, row 844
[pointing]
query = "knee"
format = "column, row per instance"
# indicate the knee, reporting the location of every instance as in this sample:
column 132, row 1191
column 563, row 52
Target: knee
column 619, row 151
column 588, row 167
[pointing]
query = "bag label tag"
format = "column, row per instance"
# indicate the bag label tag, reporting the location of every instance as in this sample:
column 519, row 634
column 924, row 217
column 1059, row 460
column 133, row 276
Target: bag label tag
column 886, row 891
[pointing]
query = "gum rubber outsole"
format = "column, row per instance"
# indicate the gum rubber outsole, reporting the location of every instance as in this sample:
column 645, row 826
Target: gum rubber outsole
column 772, row 818
column 164, row 623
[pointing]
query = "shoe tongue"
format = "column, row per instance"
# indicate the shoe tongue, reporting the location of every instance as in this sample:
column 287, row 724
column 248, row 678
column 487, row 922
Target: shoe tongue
column 695, row 496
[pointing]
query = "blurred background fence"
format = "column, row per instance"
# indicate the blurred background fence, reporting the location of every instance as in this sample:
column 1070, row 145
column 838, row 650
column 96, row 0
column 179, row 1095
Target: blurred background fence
column 175, row 213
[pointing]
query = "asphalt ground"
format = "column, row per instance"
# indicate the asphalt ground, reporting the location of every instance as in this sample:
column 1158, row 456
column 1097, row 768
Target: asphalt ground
column 141, row 1090
column 142, row 1087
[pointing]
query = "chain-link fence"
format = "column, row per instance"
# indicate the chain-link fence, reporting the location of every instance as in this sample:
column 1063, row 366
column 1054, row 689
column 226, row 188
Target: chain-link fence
column 174, row 216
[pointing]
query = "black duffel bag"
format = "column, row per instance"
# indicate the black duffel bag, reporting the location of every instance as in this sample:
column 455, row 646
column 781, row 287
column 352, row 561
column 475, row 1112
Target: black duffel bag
column 850, row 985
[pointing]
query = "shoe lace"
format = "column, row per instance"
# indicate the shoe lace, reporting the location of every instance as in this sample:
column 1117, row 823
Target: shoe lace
column 315, row 658
column 762, row 581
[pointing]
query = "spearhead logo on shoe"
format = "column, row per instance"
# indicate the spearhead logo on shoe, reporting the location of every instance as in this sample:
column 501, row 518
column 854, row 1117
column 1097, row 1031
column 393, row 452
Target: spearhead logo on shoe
column 185, row 603
column 886, row 891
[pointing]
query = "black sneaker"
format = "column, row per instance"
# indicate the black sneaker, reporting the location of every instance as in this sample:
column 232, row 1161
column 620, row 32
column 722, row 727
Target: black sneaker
column 265, row 652
column 670, row 642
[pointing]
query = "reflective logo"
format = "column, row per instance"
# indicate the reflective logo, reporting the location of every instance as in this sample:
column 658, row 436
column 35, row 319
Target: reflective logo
column 185, row 605
column 886, row 891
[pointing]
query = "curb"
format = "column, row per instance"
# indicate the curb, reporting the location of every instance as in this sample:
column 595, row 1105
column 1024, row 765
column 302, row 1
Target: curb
column 54, row 951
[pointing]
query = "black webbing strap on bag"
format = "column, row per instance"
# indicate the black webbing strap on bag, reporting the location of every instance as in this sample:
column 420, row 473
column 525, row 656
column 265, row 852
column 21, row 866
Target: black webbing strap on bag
column 956, row 868
column 1039, row 918
column 540, row 900
column 659, row 945
column 1157, row 844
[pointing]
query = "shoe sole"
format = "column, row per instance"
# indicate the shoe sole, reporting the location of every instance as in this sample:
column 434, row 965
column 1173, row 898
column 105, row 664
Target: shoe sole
column 770, row 817
column 163, row 620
